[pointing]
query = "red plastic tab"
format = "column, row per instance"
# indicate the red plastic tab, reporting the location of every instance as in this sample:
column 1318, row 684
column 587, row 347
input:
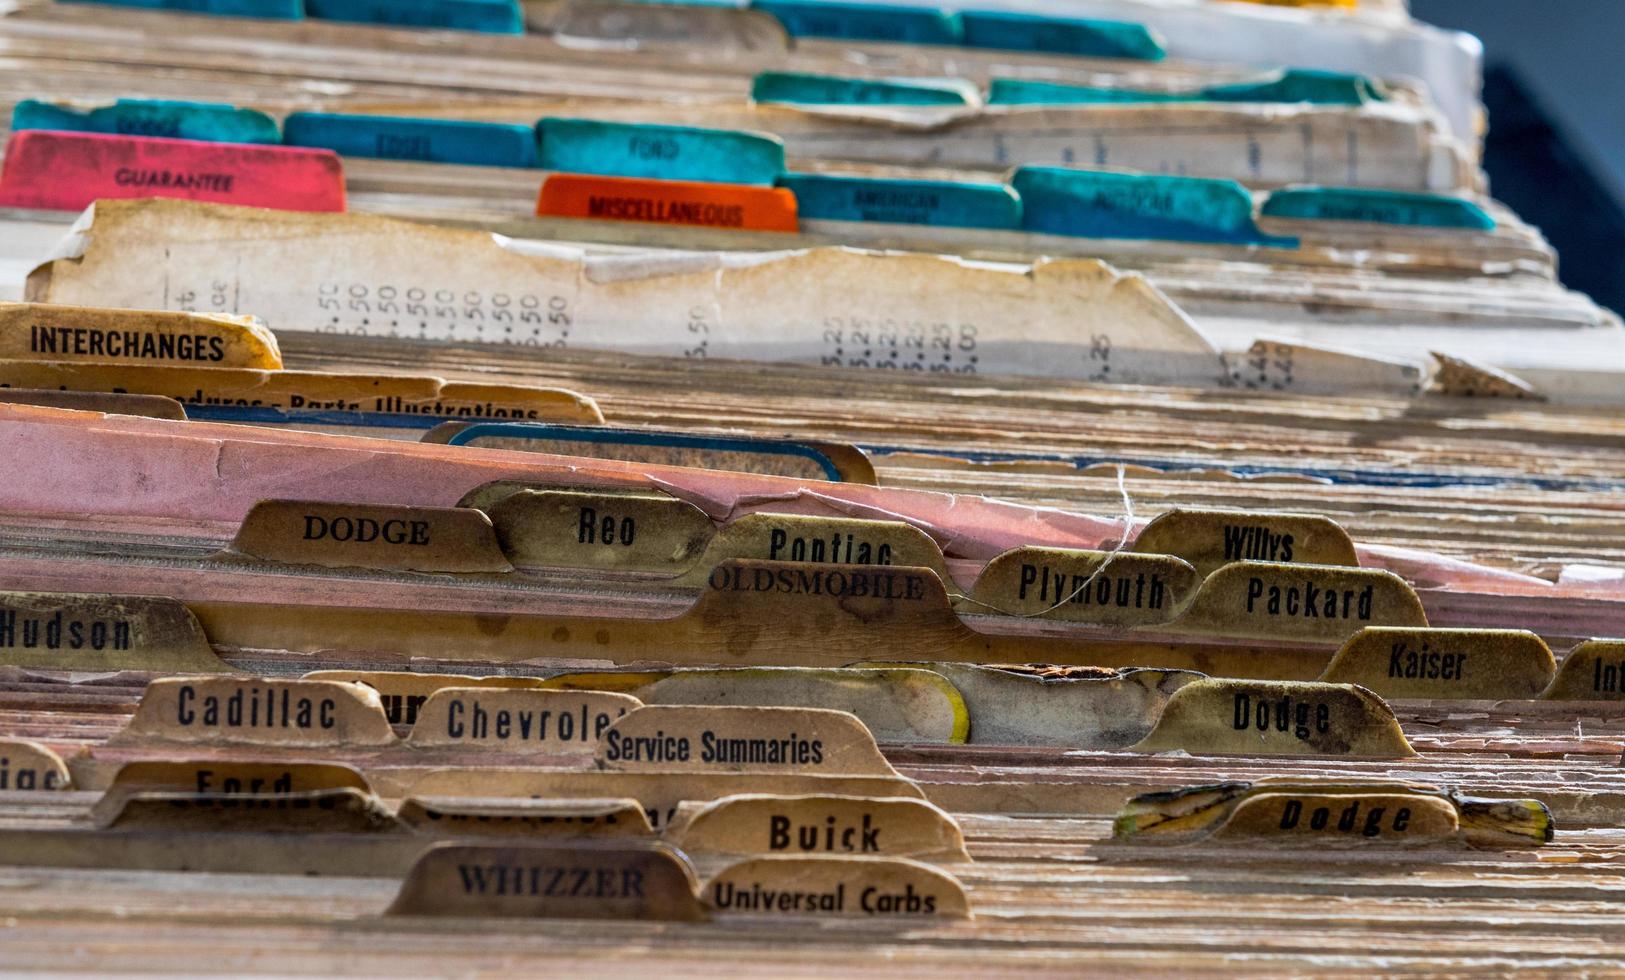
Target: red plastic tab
column 668, row 202
column 67, row 171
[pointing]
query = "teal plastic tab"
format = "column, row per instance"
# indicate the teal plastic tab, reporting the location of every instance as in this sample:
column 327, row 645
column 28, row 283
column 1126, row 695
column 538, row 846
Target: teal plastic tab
column 484, row 144
column 485, row 16
column 1061, row 35
column 590, row 146
column 1377, row 206
column 265, row 9
column 1093, row 204
column 210, row 121
column 863, row 21
column 797, row 88
column 1316, row 87
column 904, row 202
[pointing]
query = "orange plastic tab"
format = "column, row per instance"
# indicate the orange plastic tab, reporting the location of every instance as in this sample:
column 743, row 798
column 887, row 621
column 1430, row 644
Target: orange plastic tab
column 668, row 202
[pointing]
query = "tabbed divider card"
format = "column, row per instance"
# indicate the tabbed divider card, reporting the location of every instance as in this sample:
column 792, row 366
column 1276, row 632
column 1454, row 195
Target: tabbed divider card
column 864, row 21
column 1368, row 205
column 483, row 16
column 1445, row 664
column 1084, row 38
column 766, row 824
column 1290, row 86
column 1098, row 204
column 426, row 539
column 58, row 334
column 821, row 461
column 1108, row 588
column 207, row 711
column 1286, row 718
column 264, row 9
column 1592, row 671
column 64, row 631
column 802, row 88
column 1209, row 539
column 204, row 121
column 1321, row 813
column 940, row 203
column 485, row 144
column 27, row 766
column 67, row 171
column 704, row 204
column 654, row 152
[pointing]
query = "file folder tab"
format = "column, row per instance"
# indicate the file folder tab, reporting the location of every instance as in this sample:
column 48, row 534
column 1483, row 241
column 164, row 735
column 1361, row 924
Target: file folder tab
column 144, row 406
column 896, row 704
column 900, row 201
column 485, row 144
column 626, row 881
column 1445, row 663
column 258, row 711
column 484, row 16
column 609, row 531
column 263, row 9
column 1061, row 35
column 517, row 719
column 528, row 819
column 1342, row 820
column 834, row 462
column 848, row 887
column 408, row 539
column 42, row 331
column 1592, row 671
column 1377, row 206
column 55, row 171
column 739, row 207
column 1326, row 603
column 404, row 692
column 655, row 152
column 827, row 826
column 735, row 739
column 800, row 88
column 235, row 777
column 324, row 811
column 29, row 767
column 65, row 631
column 1114, row 589
column 1209, row 539
column 206, row 121
column 842, row 542
column 1097, row 204
column 864, row 21
column 1286, row 718
column 1293, row 86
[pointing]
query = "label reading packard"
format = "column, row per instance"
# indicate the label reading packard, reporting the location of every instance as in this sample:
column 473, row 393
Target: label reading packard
column 1310, row 601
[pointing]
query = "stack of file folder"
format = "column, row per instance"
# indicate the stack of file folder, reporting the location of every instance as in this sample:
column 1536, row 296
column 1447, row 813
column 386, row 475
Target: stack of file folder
column 793, row 487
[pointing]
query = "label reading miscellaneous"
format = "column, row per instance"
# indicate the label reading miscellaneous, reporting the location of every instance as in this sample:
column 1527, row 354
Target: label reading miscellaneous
column 258, row 711
column 654, row 152
column 30, row 331
column 518, row 719
column 821, row 825
column 1116, row 589
column 1309, row 602
column 403, row 693
column 623, row 881
column 864, row 887
column 1209, row 539
column 584, row 529
column 102, row 632
column 69, row 171
column 677, row 738
column 1288, row 718
column 668, row 202
column 424, row 539
column 27, row 766
column 1342, row 819
column 1444, row 663
column 453, row 817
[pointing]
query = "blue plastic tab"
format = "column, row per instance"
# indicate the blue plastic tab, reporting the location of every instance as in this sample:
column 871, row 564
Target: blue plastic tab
column 1093, row 204
column 485, row 144
column 264, row 9
column 1061, row 35
column 1295, row 86
column 797, row 88
column 209, row 121
column 615, row 149
column 905, row 202
column 542, row 432
column 863, row 21
column 485, row 16
column 1377, row 206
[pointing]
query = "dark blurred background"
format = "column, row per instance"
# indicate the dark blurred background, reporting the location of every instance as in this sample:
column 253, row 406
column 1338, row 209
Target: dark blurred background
column 1555, row 89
